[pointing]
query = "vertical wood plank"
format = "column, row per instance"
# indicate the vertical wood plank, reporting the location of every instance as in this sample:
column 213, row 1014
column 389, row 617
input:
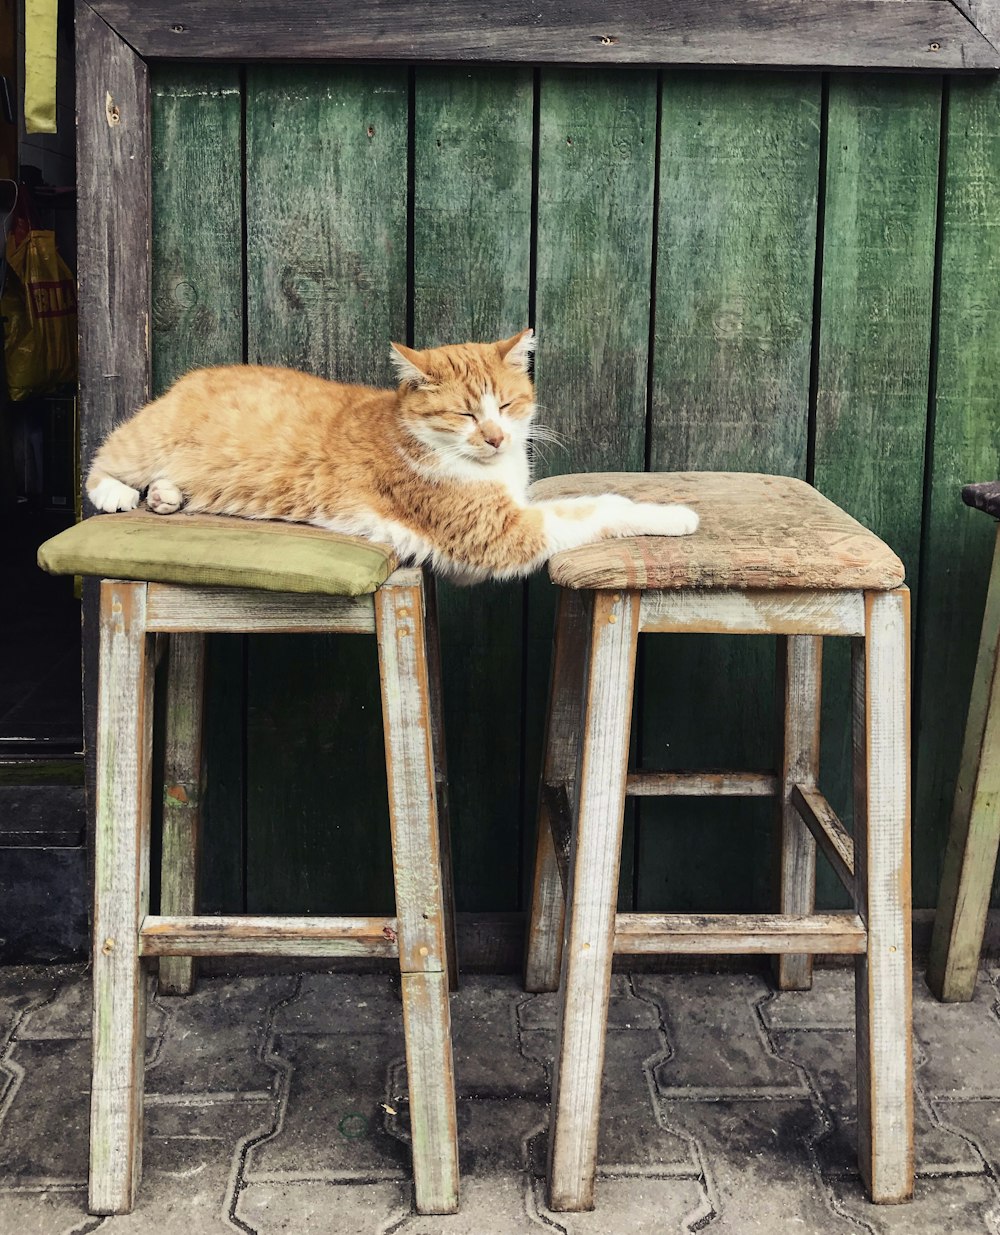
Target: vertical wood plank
column 974, row 835
column 197, row 295
column 588, row 946
column 799, row 694
column 326, row 258
column 182, row 799
column 739, row 169
column 883, row 977
column 965, row 446
column 559, row 767
column 874, row 344
column 596, row 177
column 121, row 897
column 471, row 255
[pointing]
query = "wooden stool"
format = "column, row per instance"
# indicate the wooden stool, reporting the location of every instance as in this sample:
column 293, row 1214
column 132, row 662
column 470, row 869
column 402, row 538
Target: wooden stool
column 294, row 579
column 771, row 556
column 974, row 836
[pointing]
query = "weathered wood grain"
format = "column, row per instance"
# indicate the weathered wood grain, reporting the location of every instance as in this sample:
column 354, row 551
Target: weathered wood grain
column 974, row 835
column 829, row 833
column 753, row 612
column 589, row 936
column 984, row 15
column 180, row 857
column 874, row 344
column 965, row 446
column 121, row 897
column 177, row 609
column 799, row 691
column 922, row 34
column 471, row 275
column 701, row 784
column 326, row 263
column 177, row 937
column 883, row 993
column 708, row 934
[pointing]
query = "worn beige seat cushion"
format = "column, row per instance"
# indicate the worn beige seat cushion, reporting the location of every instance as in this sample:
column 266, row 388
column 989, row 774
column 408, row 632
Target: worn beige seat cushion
column 212, row 550
column 756, row 532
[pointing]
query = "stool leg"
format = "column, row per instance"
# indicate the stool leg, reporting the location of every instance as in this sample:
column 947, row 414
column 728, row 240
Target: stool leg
column 883, row 991
column 588, row 946
column 441, row 775
column 799, row 680
column 182, row 799
column 974, row 835
column 562, row 748
column 420, row 909
column 121, row 894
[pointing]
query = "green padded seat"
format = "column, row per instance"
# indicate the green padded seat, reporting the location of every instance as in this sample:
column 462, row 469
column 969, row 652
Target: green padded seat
column 216, row 551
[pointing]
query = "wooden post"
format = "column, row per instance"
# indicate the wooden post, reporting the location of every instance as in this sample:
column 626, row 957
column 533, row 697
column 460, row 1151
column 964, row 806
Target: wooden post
column 562, row 748
column 409, row 756
column 121, row 896
column 182, row 794
column 588, row 945
column 883, row 994
column 799, row 680
column 974, row 835
column 434, row 679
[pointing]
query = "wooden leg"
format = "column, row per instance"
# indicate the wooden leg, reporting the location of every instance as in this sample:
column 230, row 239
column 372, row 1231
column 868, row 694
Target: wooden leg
column 441, row 775
column 588, row 946
column 562, row 746
column 121, row 894
column 182, row 799
column 420, row 910
column 974, row 835
column 799, row 691
column 883, row 992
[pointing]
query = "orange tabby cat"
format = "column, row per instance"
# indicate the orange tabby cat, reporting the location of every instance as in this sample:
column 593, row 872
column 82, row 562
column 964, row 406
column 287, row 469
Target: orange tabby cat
column 438, row 467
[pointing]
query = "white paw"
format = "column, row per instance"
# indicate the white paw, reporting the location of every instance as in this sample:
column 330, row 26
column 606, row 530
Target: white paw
column 110, row 495
column 164, row 497
column 654, row 519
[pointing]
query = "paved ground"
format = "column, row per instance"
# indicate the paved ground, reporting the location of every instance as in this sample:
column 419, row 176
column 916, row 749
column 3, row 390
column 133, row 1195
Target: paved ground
column 276, row 1105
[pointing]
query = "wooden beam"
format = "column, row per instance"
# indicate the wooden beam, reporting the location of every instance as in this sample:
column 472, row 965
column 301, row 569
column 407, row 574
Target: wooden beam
column 724, row 934
column 236, row 610
column 701, row 785
column 831, row 835
column 207, row 935
column 984, row 15
column 753, row 612
column 851, row 34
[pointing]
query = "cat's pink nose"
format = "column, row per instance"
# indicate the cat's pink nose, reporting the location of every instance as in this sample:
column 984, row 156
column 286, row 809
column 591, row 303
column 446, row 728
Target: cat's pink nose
column 493, row 437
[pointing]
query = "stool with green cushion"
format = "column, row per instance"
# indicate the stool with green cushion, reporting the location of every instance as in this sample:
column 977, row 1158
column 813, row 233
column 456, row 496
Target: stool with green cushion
column 974, row 835
column 166, row 583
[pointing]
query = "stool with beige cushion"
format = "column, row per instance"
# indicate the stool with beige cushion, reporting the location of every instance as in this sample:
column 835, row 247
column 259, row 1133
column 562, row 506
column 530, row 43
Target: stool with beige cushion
column 166, row 583
column 772, row 556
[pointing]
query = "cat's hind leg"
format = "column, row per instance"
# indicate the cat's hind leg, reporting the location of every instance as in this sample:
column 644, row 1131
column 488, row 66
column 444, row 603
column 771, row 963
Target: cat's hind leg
column 108, row 494
column 164, row 498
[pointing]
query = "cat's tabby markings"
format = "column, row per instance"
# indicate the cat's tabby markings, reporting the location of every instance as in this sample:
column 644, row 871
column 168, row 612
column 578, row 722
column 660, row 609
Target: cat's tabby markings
column 438, row 468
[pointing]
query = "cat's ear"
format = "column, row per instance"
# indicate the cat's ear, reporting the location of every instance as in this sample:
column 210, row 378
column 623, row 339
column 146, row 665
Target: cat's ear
column 517, row 350
column 407, row 364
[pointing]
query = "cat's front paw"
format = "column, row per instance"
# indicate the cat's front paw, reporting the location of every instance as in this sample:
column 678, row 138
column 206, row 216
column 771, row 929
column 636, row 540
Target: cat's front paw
column 164, row 497
column 658, row 520
column 110, row 495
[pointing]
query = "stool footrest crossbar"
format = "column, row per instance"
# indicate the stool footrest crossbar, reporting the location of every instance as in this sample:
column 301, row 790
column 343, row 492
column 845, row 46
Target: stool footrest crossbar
column 211, row 935
column 831, row 835
column 701, row 784
column 711, row 934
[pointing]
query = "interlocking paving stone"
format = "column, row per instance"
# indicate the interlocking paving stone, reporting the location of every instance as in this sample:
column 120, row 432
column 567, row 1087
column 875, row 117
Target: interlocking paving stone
column 318, row 1207
column 959, row 1043
column 636, row 1206
column 44, row 1135
column 341, row 1003
column 828, row 1005
column 484, row 1031
column 949, row 1205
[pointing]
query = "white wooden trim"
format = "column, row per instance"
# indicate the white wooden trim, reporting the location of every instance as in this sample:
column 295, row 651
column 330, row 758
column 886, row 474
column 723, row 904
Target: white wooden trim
column 121, row 896
column 181, row 849
column 725, row 934
column 830, row 834
column 753, row 612
column 881, row 669
column 588, row 945
column 243, row 935
column 701, row 784
column 226, row 610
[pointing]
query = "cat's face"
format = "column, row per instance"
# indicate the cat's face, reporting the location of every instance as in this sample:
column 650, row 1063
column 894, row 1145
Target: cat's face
column 468, row 401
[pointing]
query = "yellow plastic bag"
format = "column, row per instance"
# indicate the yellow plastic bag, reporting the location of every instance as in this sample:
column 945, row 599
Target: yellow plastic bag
column 39, row 304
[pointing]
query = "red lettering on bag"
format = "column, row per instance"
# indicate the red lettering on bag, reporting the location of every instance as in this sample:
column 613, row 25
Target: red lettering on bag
column 53, row 299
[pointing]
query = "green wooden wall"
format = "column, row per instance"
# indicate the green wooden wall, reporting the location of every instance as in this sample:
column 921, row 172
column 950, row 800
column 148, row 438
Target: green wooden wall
column 777, row 272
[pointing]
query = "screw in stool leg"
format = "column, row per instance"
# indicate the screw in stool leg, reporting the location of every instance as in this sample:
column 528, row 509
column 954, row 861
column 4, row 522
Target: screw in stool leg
column 182, row 793
column 559, row 774
column 420, row 908
column 121, row 896
column 588, row 945
column 883, row 991
column 799, row 691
